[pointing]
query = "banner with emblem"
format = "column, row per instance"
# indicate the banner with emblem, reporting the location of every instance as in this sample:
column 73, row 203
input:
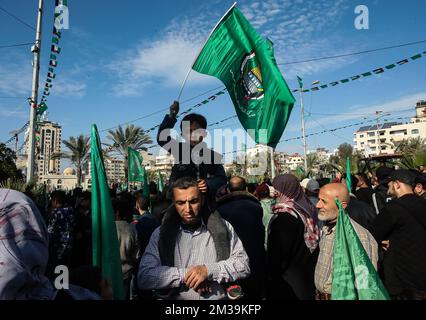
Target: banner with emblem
column 244, row 61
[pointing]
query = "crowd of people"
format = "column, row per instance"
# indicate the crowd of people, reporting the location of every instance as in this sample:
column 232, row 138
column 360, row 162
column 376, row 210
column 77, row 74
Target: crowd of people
column 209, row 236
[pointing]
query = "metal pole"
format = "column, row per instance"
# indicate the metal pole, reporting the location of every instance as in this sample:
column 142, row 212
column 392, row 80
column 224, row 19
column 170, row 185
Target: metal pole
column 272, row 164
column 303, row 130
column 34, row 91
column 378, row 134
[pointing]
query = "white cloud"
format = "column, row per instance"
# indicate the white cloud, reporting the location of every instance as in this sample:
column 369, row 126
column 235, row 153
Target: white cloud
column 15, row 78
column 164, row 61
column 69, row 87
column 14, row 113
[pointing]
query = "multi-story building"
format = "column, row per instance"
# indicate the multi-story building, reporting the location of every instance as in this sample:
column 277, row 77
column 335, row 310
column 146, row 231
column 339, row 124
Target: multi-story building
column 164, row 164
column 384, row 138
column 294, row 161
column 48, row 142
column 148, row 160
column 114, row 169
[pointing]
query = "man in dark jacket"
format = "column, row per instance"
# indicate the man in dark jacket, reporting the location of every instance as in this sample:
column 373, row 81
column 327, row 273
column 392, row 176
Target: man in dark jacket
column 401, row 228
column 244, row 212
column 359, row 211
column 192, row 158
column 380, row 195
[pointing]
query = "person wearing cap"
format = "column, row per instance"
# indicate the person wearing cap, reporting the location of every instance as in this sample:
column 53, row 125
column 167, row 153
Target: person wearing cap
column 311, row 188
column 401, row 228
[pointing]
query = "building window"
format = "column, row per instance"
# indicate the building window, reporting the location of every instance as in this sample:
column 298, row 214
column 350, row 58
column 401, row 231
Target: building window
column 361, row 136
column 371, row 141
column 371, row 134
column 415, row 131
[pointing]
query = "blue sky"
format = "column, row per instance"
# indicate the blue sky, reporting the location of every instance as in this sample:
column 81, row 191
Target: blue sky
column 121, row 60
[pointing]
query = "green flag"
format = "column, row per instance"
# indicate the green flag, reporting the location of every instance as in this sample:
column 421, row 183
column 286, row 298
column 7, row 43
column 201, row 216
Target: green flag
column 105, row 247
column 348, row 174
column 160, row 182
column 354, row 276
column 135, row 167
column 299, row 79
column 244, row 61
column 145, row 182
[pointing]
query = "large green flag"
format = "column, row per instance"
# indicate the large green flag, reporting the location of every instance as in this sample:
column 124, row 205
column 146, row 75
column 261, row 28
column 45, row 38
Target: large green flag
column 244, row 61
column 354, row 276
column 105, row 247
column 135, row 167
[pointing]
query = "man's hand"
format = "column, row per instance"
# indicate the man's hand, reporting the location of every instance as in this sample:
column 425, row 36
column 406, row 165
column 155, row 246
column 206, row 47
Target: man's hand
column 195, row 276
column 204, row 288
column 174, row 109
column 202, row 185
column 385, row 245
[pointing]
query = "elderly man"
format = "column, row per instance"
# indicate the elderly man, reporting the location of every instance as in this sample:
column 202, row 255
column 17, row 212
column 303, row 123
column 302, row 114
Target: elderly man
column 194, row 252
column 328, row 212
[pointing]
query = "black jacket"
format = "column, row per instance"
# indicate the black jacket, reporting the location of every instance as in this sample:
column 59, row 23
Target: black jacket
column 291, row 265
column 361, row 212
column 244, row 212
column 210, row 169
column 403, row 222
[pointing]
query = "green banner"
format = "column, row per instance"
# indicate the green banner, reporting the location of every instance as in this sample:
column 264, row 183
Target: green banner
column 244, row 61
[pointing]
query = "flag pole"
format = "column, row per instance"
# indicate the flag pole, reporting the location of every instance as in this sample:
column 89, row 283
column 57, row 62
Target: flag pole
column 198, row 54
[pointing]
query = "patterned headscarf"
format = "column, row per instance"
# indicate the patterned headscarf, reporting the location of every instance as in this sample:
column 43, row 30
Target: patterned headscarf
column 23, row 249
column 292, row 200
column 24, row 252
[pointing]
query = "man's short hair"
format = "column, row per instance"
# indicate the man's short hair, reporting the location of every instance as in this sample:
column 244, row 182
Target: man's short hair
column 195, row 117
column 153, row 188
column 185, row 183
column 237, row 184
column 142, row 201
column 122, row 208
column 59, row 196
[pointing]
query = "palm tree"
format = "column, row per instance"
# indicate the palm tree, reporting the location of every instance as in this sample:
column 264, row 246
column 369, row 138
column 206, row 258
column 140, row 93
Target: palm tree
column 79, row 152
column 413, row 151
column 132, row 136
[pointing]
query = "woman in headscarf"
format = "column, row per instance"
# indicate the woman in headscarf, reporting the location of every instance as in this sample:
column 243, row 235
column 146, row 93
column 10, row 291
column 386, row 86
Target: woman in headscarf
column 24, row 253
column 293, row 237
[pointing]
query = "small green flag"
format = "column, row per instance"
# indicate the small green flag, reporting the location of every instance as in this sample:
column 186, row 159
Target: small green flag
column 354, row 276
column 135, row 167
column 348, row 174
column 145, row 182
column 105, row 247
column 160, row 182
column 300, row 82
column 244, row 61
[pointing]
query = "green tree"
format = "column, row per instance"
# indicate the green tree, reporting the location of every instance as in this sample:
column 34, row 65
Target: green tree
column 79, row 153
column 8, row 168
column 132, row 136
column 413, row 151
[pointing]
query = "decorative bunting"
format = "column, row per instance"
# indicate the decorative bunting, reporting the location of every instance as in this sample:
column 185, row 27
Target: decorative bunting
column 365, row 74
